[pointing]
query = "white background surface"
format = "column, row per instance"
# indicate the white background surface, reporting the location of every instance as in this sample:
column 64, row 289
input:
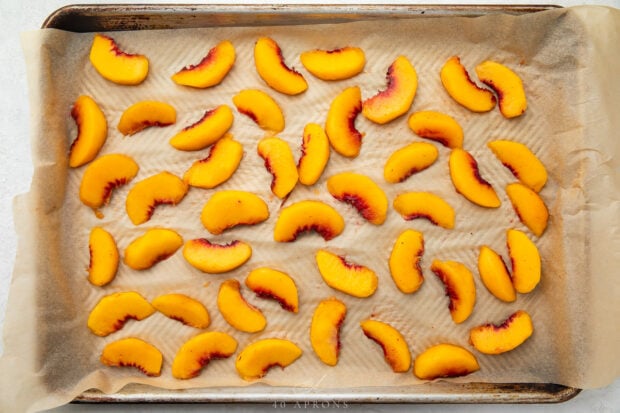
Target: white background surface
column 17, row 16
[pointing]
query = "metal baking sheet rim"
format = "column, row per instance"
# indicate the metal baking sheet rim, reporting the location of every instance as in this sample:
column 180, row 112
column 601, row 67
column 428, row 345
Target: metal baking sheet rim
column 111, row 17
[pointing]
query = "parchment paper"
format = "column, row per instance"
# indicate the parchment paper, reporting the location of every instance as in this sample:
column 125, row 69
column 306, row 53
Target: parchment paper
column 568, row 60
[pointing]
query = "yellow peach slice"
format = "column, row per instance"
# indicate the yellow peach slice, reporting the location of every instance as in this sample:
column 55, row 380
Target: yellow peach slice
column 521, row 161
column 206, row 131
column 395, row 348
column 508, row 86
column 273, row 70
column 361, row 192
column 155, row 245
column 314, row 154
column 438, row 127
column 257, row 358
column 160, row 189
column 185, row 309
column 280, row 163
column 460, row 288
column 308, row 216
column 103, row 257
column 337, row 64
column 227, row 209
column 444, row 360
column 327, row 320
column 216, row 258
column 462, row 89
column 145, row 114
column 495, row 275
column 409, row 160
column 467, row 181
column 277, row 285
column 211, row 70
column 498, row 339
column 92, row 131
column 529, row 206
column 236, row 311
column 342, row 275
column 103, row 175
column 525, row 258
column 112, row 312
column 114, row 64
column 133, row 352
column 221, row 163
column 340, row 123
column 413, row 205
column 196, row 353
column 261, row 108
column 405, row 261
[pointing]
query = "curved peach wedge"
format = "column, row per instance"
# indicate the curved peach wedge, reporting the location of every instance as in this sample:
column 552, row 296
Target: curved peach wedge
column 273, row 70
column 340, row 123
column 508, row 86
column 336, row 64
column 409, row 160
column 155, row 245
column 405, row 261
column 216, row 258
column 237, row 311
column 133, row 352
column 112, row 312
column 498, row 339
column 274, row 284
column 495, row 275
column 280, row 163
column 211, row 70
column 114, row 64
column 395, row 348
column 438, row 127
column 521, row 161
column 308, row 216
column 361, row 192
column 529, row 206
column 467, row 181
column 397, row 98
column 206, row 131
column 196, row 353
column 413, row 205
column 182, row 308
column 342, row 275
column 460, row 288
column 314, row 154
column 103, row 257
column 221, row 163
column 228, row 209
column 261, row 108
column 327, row 320
column 462, row 89
column 92, row 131
column 444, row 360
column 163, row 188
column 257, row 358
column 525, row 258
column 145, row 114
column 103, row 175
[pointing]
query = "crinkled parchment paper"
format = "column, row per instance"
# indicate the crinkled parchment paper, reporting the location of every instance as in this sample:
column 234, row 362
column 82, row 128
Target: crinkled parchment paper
column 568, row 60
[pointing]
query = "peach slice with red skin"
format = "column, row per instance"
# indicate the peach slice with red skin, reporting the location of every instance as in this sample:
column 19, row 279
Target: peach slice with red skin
column 216, row 258
column 508, row 86
column 308, row 216
column 228, row 209
column 183, row 308
column 460, row 288
column 255, row 360
column 498, row 339
column 206, row 131
column 462, row 89
column 211, row 70
column 261, row 108
column 409, row 160
column 414, row 205
column 444, row 360
column 146, row 114
column 521, row 161
column 467, row 181
column 395, row 348
column 494, row 275
column 221, row 163
column 114, row 64
column 237, row 311
column 197, row 352
column 327, row 321
column 438, row 127
column 155, row 245
column 314, row 154
column 112, row 312
column 103, row 257
column 525, row 259
column 133, row 352
column 92, row 131
column 405, row 261
column 274, row 284
column 362, row 193
column 273, row 70
column 280, row 163
column 529, row 206
column 347, row 277
column 336, row 64
column 163, row 188
column 340, row 124
column 103, row 175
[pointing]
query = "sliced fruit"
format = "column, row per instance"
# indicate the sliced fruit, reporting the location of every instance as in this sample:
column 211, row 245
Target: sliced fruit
column 103, row 175
column 438, row 127
column 280, row 163
column 221, row 163
column 114, row 310
column 494, row 275
column 277, row 285
column 340, row 123
column 337, row 64
column 308, row 216
column 405, row 261
column 467, row 181
column 211, row 70
column 91, row 134
column 325, row 330
column 206, row 131
column 342, row 275
column 145, row 114
column 133, row 352
column 103, row 257
column 409, row 160
column 155, row 245
column 413, row 205
column 236, row 311
column 361, row 192
column 462, row 89
column 257, row 358
column 180, row 307
column 508, row 86
column 529, row 206
column 444, row 360
column 395, row 348
column 227, row 209
column 273, row 70
column 522, row 162
column 196, row 353
column 525, row 258
column 314, row 154
column 460, row 288
column 498, row 339
column 261, row 108
column 216, row 258
column 163, row 188
column 114, row 64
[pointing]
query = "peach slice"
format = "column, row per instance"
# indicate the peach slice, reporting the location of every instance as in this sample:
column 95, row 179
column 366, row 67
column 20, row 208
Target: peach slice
column 340, row 123
column 460, row 288
column 325, row 330
column 342, row 275
column 337, row 64
column 182, row 308
column 529, row 206
column 196, row 353
column 525, row 258
column 409, row 160
column 206, row 131
column 227, row 209
column 155, row 245
column 405, row 261
column 397, row 98
column 498, row 339
column 314, row 154
column 103, row 175
column 521, row 161
column 413, row 205
column 103, row 257
column 395, row 348
column 273, row 70
column 92, row 131
column 257, row 358
column 462, row 89
column 114, row 64
column 216, row 258
column 494, row 275
column 438, row 127
column 159, row 189
column 221, row 163
column 280, row 163
column 211, row 70
column 133, row 352
column 308, row 216
column 467, row 181
column 236, row 311
column 261, row 108
column 444, row 360
column 145, row 114
column 361, row 192
column 508, row 86
column 277, row 285
column 112, row 312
